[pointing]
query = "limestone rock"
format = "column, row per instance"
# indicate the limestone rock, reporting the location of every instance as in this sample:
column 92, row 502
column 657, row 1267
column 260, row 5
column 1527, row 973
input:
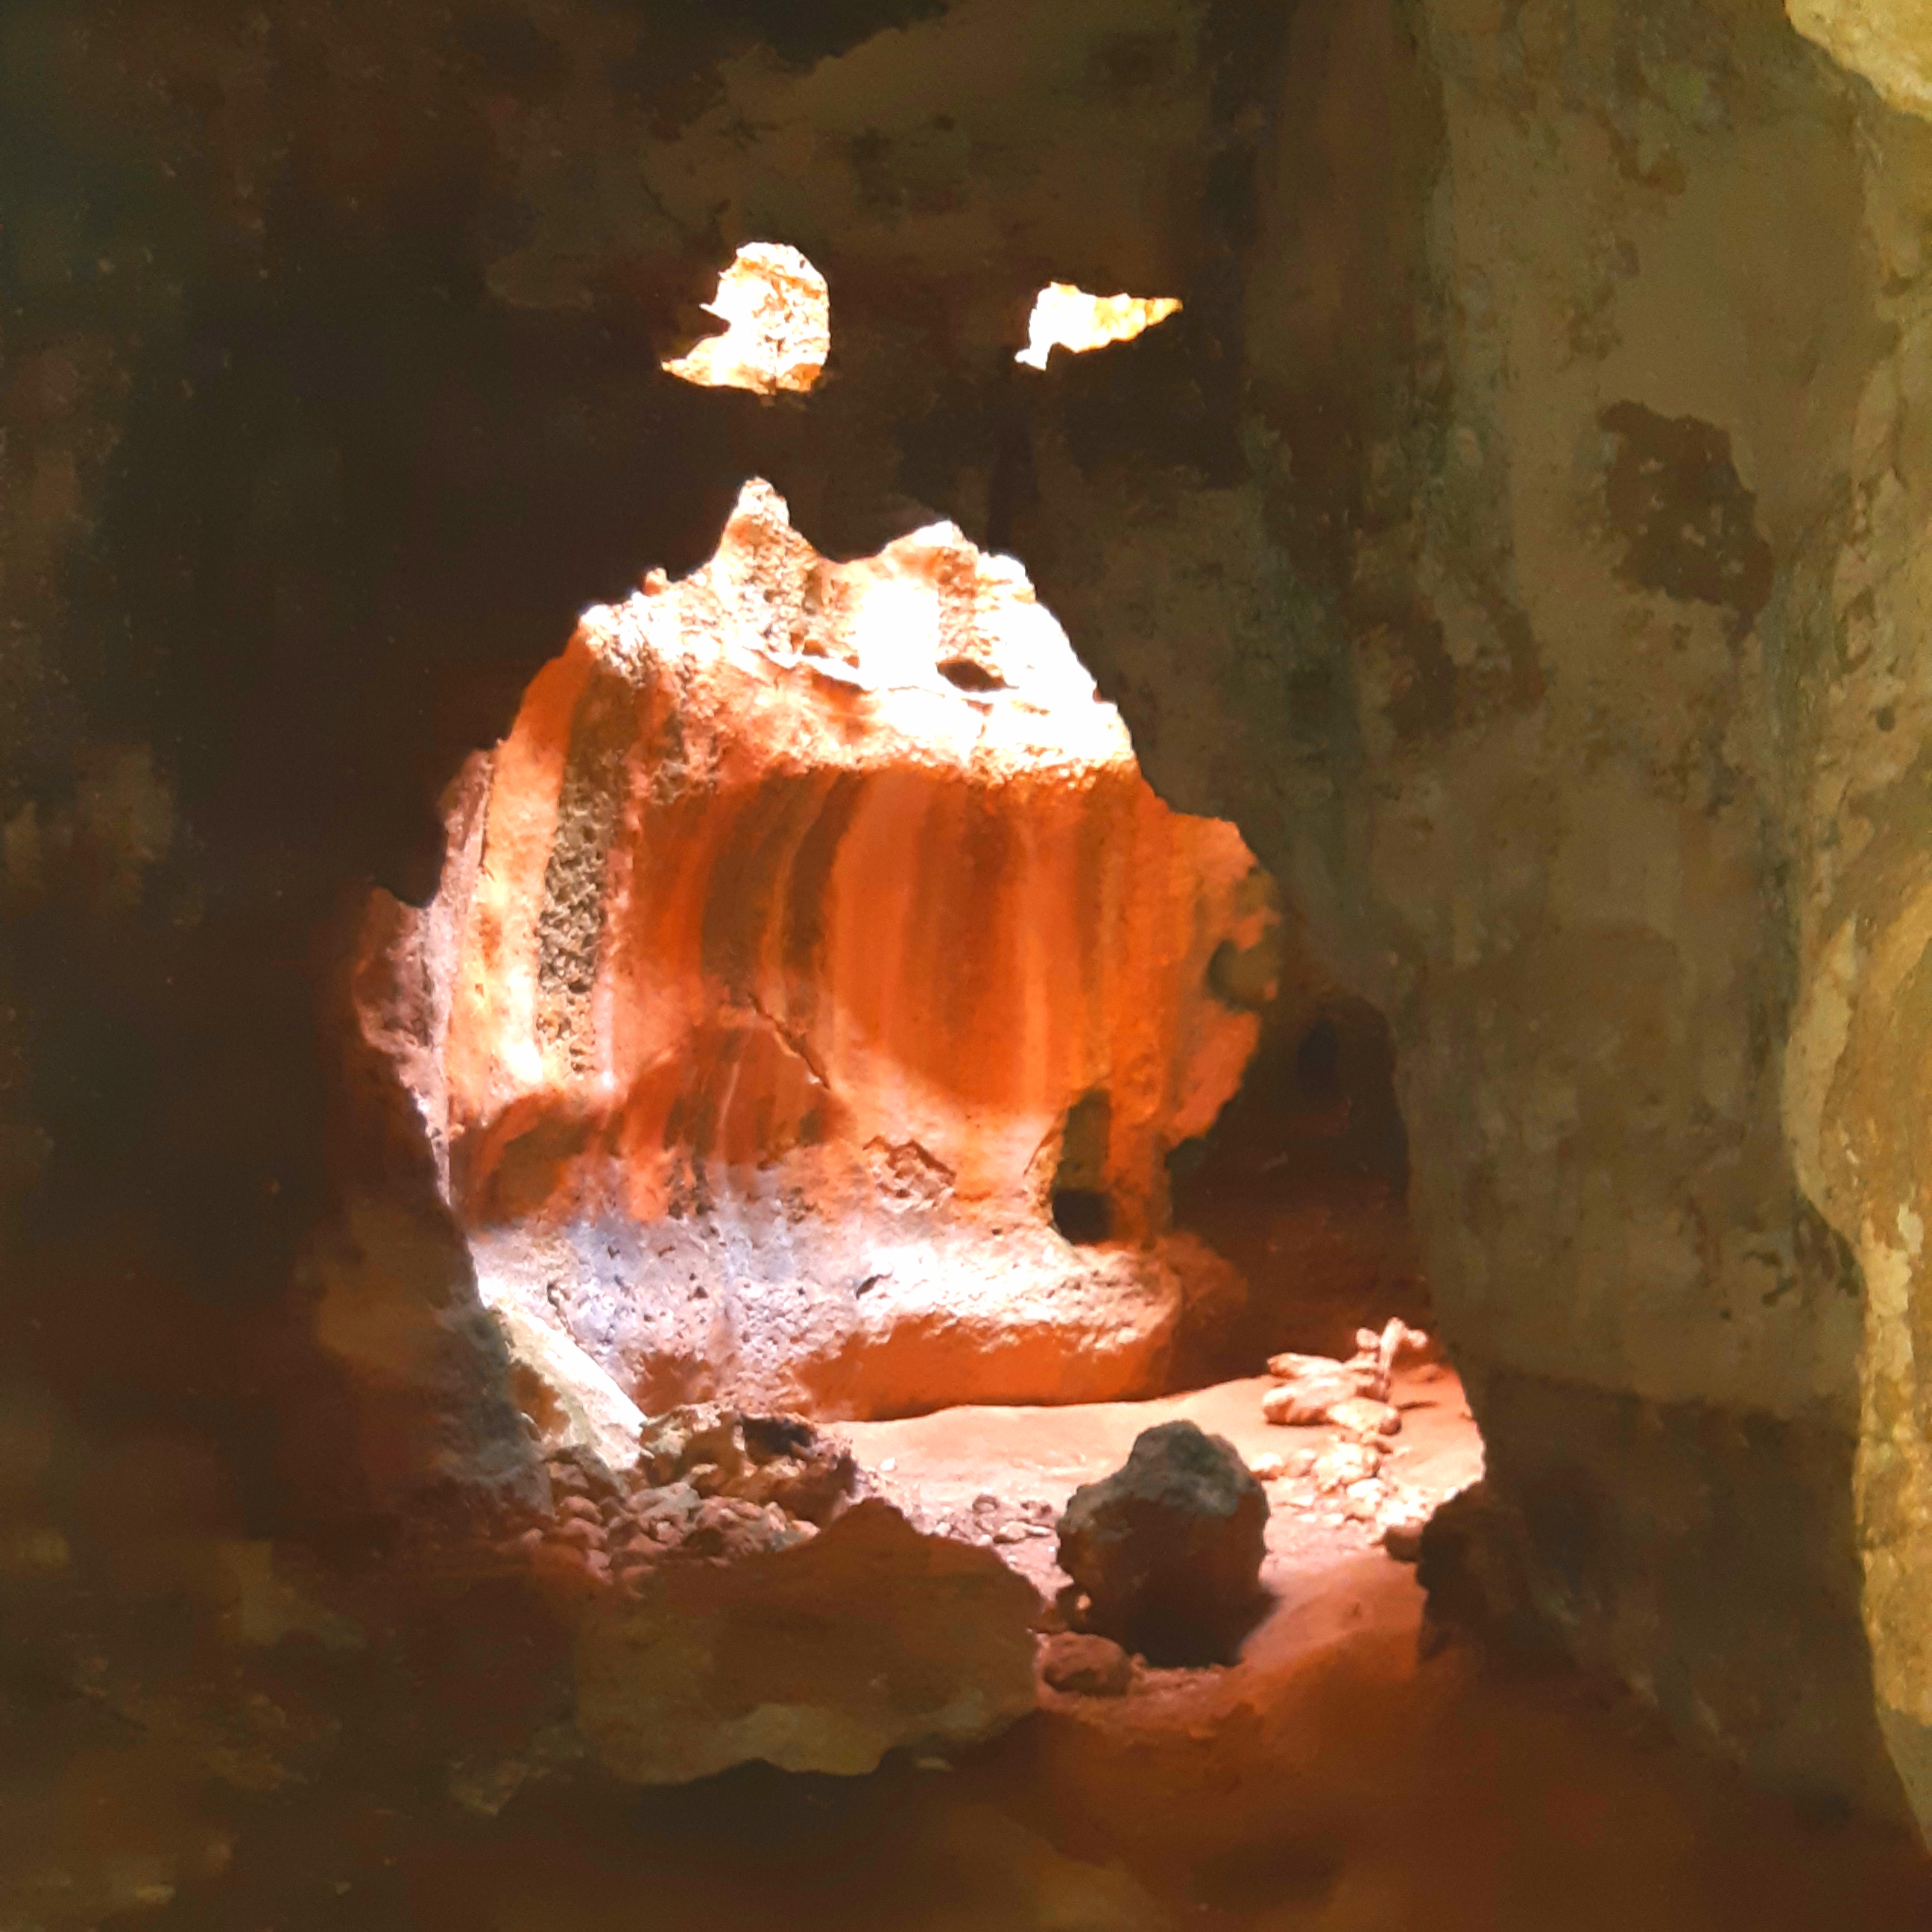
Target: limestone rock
column 1344, row 1463
column 1365, row 1419
column 1315, row 1389
column 821, row 1658
column 1305, row 1402
column 1169, row 1548
column 573, row 1403
column 781, row 1460
column 1889, row 42
column 830, row 935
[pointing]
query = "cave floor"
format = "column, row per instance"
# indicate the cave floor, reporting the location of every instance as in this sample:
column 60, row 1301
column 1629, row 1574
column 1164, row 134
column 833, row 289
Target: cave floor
column 1333, row 1781
column 1019, row 1465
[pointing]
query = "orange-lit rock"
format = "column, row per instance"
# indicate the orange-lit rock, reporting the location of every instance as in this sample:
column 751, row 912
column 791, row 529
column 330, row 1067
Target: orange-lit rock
column 778, row 319
column 1067, row 317
column 813, row 926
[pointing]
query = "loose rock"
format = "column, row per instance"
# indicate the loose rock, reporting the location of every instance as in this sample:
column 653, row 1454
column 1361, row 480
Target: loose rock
column 1365, row 1419
column 1315, row 1389
column 1081, row 1665
column 1167, row 1550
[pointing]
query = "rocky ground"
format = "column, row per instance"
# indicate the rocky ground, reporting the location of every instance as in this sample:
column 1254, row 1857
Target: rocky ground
column 1001, row 1476
column 1334, row 1779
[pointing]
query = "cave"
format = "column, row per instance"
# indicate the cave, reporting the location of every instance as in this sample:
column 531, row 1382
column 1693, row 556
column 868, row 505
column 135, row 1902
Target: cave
column 961, row 965
column 816, row 997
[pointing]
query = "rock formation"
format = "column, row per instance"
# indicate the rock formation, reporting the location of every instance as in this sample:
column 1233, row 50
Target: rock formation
column 816, row 989
column 1353, row 1395
column 818, row 1658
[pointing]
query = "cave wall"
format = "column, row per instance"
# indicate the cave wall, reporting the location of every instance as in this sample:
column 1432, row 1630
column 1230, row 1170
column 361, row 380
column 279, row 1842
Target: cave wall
column 329, row 364
column 1852, row 1078
column 1538, row 578
column 1689, row 450
column 815, row 990
column 1512, row 535
column 1583, row 847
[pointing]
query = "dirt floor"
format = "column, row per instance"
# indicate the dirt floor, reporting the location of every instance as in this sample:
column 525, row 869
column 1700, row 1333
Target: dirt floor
column 1331, row 1781
column 1003, row 1475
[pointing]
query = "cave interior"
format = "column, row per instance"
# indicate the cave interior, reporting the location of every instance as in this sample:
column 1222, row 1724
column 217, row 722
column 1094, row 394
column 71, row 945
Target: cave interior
column 800, row 806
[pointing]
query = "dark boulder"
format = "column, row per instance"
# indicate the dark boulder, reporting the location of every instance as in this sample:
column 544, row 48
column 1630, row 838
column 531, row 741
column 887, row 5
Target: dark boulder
column 1167, row 1550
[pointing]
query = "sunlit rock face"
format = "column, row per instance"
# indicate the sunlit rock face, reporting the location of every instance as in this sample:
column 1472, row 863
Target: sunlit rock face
column 1067, row 317
column 1888, row 42
column 777, row 320
column 811, row 940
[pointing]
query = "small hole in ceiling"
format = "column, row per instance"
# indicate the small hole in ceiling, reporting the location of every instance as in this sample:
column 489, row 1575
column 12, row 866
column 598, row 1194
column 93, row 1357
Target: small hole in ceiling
column 779, row 325
column 1066, row 317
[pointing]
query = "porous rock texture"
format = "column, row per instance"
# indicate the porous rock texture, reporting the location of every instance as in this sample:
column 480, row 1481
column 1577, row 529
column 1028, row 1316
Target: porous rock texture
column 1518, row 535
column 777, row 325
column 1077, row 1663
column 812, row 931
column 821, row 1657
column 1166, row 1551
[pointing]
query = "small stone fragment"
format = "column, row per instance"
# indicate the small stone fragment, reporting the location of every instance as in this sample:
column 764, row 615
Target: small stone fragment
column 1292, row 1406
column 1308, row 1386
column 706, row 1478
column 725, row 1527
column 1345, row 1462
column 1362, row 1500
column 1365, row 1419
column 1081, row 1665
column 680, row 1440
column 678, row 1502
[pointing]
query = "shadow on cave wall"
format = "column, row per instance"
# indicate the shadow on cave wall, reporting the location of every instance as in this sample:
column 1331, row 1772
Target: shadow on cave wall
column 1302, row 1182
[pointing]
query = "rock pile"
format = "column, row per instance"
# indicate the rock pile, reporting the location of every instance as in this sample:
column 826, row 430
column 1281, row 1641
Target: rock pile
column 1352, row 1396
column 732, row 1593
column 993, row 1520
column 1166, row 1553
column 708, row 1483
column 1347, row 1477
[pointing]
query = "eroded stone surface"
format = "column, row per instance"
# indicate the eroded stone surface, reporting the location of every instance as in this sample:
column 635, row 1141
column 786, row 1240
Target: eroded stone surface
column 1888, row 42
column 818, row 1658
column 779, row 329
column 824, row 938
